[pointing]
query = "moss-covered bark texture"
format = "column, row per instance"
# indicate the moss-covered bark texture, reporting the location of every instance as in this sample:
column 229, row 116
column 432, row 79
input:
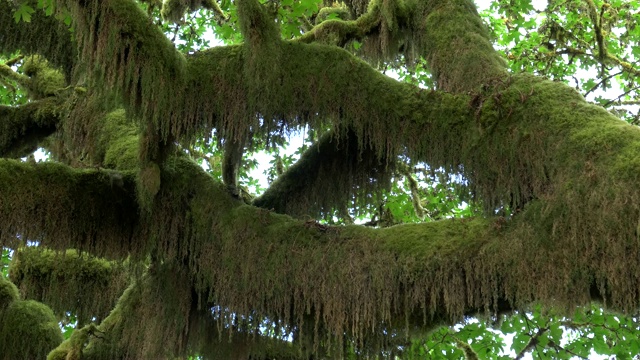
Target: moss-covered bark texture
column 205, row 273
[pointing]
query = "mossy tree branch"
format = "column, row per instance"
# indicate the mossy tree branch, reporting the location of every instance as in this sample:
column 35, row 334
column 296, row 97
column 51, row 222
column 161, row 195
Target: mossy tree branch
column 86, row 286
column 534, row 145
column 87, row 209
column 24, row 127
column 332, row 173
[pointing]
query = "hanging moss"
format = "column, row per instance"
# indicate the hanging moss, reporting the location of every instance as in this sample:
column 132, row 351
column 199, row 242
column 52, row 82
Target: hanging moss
column 333, row 172
column 150, row 320
column 65, row 208
column 82, row 284
column 124, row 52
column 568, row 170
column 43, row 35
column 149, row 181
column 28, row 330
column 72, row 348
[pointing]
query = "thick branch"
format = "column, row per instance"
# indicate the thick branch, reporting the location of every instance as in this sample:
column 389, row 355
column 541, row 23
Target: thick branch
column 66, row 208
column 86, row 286
column 458, row 47
column 332, row 173
column 24, row 127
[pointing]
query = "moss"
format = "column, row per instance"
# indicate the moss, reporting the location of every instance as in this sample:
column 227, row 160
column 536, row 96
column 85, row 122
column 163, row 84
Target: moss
column 333, row 172
column 149, row 181
column 44, row 80
column 43, row 35
column 120, row 141
column 337, row 12
column 457, row 46
column 28, row 330
column 125, row 54
column 80, row 283
column 173, row 10
column 8, row 292
column 72, row 348
column 25, row 127
column 149, row 321
column 65, row 208
column 568, row 170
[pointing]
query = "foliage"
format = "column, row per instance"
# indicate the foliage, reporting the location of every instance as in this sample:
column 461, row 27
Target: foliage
column 572, row 41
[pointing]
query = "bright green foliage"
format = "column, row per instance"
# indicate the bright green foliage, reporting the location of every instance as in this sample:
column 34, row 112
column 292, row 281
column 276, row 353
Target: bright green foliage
column 569, row 37
column 5, row 259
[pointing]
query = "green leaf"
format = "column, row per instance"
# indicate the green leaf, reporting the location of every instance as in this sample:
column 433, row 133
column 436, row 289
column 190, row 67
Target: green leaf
column 23, row 13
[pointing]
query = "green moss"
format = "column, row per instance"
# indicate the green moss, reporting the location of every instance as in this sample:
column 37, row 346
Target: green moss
column 80, row 283
column 43, row 35
column 8, row 292
column 39, row 201
column 28, row 330
column 24, row 127
column 173, row 10
column 119, row 142
column 72, row 348
column 44, row 80
column 341, row 13
column 333, row 172
column 135, row 60
column 457, row 46
column 149, row 182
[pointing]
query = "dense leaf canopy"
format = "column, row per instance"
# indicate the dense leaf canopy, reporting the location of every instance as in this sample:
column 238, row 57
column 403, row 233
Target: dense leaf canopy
column 489, row 192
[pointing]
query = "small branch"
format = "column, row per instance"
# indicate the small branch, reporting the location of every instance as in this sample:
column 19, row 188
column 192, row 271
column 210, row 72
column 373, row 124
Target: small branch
column 342, row 31
column 595, row 20
column 307, row 25
column 213, row 6
column 14, row 61
column 622, row 95
column 606, row 78
column 7, row 72
column 533, row 342
column 557, row 347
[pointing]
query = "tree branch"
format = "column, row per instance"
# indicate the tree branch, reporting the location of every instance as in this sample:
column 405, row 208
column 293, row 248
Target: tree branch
column 86, row 286
column 333, row 172
column 24, row 127
column 66, row 208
